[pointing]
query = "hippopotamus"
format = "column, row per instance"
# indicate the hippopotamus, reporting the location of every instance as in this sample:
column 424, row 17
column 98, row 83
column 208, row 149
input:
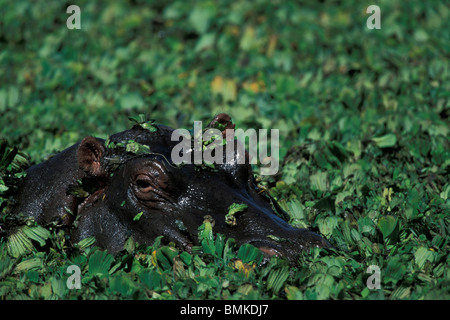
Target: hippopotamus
column 128, row 185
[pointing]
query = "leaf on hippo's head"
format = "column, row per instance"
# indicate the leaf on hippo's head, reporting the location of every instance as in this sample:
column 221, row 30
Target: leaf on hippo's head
column 230, row 218
column 82, row 188
column 205, row 229
column 130, row 146
column 149, row 126
column 276, row 238
column 77, row 190
column 136, row 147
column 138, row 216
column 219, row 126
column 144, row 123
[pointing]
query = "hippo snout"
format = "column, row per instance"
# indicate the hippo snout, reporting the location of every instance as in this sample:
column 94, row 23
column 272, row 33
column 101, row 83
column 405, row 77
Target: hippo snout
column 290, row 244
column 264, row 225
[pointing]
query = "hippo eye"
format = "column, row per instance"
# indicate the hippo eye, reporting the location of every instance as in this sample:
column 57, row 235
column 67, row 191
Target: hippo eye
column 143, row 183
column 150, row 182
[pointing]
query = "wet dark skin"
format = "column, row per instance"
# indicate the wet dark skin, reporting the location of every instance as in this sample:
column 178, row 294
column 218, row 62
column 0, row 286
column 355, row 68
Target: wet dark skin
column 173, row 199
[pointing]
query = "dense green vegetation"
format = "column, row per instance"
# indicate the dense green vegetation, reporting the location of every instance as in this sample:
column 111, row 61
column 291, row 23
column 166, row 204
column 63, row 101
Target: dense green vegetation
column 363, row 119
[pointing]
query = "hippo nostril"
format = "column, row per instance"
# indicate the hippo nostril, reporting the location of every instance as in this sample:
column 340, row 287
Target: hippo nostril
column 270, row 251
column 267, row 247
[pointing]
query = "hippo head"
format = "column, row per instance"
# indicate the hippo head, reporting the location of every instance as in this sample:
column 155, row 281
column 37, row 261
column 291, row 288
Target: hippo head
column 131, row 187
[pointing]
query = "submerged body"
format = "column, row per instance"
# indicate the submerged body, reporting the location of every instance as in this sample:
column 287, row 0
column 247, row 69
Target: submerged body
column 115, row 193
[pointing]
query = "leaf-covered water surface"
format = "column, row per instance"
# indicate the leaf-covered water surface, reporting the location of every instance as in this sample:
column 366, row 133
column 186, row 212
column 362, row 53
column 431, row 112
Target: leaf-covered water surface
column 362, row 116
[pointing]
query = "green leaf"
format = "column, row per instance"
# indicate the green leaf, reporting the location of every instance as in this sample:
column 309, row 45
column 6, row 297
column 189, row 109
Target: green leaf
column 13, row 95
column 206, row 229
column 293, row 293
column 327, row 225
column 219, row 244
column 445, row 194
column 150, row 127
column 423, row 255
column 18, row 244
column 294, row 209
column 275, row 238
column 99, row 263
column 136, row 147
column 77, row 190
column 206, row 41
column 366, row 225
column 277, row 278
column 3, row 188
column 386, row 141
column 249, row 253
column 130, row 245
column 387, row 226
column 86, row 243
column 163, row 257
column 319, row 181
column 152, row 279
column 201, row 16
column 400, row 293
column 138, row 216
column 37, row 233
column 6, row 264
column 395, row 270
column 30, row 264
column 186, row 258
column 46, row 291
column 122, row 284
column 326, row 203
column 6, row 155
column 230, row 218
column 142, row 121
column 132, row 100
column 59, row 287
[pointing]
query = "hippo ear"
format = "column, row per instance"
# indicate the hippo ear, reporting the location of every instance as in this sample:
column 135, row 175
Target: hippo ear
column 89, row 156
column 222, row 122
